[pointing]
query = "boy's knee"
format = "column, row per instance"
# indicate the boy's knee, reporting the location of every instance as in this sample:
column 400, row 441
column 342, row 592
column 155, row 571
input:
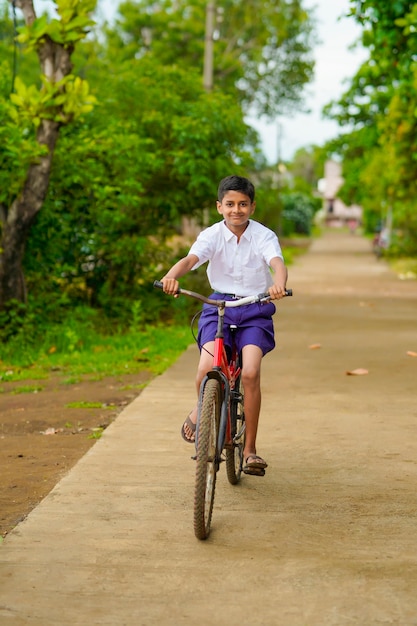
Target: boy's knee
column 251, row 376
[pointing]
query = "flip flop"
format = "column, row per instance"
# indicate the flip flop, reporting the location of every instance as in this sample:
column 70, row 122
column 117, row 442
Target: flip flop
column 190, row 425
column 256, row 467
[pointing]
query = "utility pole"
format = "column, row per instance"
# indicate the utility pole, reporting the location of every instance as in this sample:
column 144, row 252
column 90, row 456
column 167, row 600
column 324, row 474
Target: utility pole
column 279, row 142
column 208, row 47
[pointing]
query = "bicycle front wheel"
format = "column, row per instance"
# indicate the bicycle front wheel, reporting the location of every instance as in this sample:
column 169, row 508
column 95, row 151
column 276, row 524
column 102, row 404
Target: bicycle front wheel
column 207, row 458
column 234, row 453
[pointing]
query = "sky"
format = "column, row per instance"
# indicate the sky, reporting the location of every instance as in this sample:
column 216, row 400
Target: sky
column 335, row 63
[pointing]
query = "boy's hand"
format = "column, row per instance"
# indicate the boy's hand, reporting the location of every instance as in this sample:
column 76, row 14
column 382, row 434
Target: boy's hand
column 277, row 292
column 171, row 286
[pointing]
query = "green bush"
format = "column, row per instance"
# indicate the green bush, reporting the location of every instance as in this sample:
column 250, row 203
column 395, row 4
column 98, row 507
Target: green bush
column 297, row 214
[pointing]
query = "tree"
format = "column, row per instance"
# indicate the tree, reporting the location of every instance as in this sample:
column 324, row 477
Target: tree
column 307, row 168
column 380, row 168
column 263, row 61
column 298, row 212
column 34, row 116
column 152, row 151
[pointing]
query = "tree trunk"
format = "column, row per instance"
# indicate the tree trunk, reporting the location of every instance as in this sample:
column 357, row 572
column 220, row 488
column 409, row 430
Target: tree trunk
column 16, row 220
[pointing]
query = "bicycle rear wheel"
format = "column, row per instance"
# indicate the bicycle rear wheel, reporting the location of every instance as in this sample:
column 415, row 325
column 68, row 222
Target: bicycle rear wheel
column 234, row 454
column 207, row 458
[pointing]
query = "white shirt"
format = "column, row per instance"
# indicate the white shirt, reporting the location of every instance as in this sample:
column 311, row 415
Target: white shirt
column 237, row 268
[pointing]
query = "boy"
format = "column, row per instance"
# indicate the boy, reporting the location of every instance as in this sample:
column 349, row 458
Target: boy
column 241, row 253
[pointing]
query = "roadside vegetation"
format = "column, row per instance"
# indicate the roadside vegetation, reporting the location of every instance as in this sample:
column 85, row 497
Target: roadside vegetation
column 111, row 150
column 112, row 145
column 76, row 351
column 378, row 114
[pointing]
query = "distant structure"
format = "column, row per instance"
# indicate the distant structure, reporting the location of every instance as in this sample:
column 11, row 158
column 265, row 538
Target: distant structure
column 335, row 212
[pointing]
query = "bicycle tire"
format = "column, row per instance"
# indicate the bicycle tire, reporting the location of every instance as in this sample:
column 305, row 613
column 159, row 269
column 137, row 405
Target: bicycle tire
column 207, row 463
column 234, row 454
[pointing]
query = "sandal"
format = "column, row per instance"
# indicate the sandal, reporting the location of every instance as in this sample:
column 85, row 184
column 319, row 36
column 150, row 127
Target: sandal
column 191, row 426
column 256, row 467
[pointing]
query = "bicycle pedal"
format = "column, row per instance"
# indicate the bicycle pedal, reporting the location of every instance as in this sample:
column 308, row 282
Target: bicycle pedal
column 254, row 471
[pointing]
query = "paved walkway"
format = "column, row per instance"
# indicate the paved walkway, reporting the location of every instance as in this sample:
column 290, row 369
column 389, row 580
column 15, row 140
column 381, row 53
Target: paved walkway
column 327, row 537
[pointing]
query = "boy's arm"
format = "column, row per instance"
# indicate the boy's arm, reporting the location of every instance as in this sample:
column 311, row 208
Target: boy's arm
column 184, row 265
column 277, row 290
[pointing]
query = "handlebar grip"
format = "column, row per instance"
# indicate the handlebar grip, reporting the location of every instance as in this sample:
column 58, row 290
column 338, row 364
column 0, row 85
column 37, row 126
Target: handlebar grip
column 288, row 292
column 158, row 285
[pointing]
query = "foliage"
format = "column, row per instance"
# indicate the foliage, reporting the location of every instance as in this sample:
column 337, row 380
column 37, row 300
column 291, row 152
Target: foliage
column 57, row 97
column 286, row 195
column 142, row 172
column 33, row 115
column 61, row 101
column 142, row 145
column 18, row 147
column 268, row 199
column 264, row 63
column 73, row 25
column 297, row 214
column 307, row 168
column 380, row 166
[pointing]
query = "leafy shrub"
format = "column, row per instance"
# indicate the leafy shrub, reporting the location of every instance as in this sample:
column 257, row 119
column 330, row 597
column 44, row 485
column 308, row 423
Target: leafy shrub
column 297, row 214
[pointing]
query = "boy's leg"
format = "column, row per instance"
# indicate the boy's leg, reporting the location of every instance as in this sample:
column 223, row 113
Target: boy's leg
column 251, row 379
column 204, row 366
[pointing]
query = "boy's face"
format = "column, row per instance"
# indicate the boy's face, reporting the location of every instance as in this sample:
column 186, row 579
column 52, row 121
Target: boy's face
column 236, row 209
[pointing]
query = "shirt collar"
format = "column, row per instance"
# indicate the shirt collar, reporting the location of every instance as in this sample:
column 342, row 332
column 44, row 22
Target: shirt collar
column 228, row 235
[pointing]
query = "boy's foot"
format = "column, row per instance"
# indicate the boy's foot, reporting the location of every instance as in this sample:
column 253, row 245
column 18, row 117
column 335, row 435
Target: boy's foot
column 188, row 430
column 254, row 465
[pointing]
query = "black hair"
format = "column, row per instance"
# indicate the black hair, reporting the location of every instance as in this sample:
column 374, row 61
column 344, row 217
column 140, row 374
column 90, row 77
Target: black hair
column 236, row 183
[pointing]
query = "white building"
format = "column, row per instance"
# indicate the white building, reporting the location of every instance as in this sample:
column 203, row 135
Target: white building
column 335, row 212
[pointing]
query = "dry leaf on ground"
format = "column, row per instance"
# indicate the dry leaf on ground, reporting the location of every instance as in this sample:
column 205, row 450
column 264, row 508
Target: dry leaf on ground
column 358, row 372
column 52, row 431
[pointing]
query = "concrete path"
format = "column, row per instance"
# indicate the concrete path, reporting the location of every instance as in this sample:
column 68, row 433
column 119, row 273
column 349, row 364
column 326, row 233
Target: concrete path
column 327, row 537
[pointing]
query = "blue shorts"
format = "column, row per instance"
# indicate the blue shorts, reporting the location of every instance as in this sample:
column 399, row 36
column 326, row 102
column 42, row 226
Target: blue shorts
column 254, row 324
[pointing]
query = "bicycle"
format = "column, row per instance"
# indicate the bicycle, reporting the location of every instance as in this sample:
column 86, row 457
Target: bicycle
column 221, row 417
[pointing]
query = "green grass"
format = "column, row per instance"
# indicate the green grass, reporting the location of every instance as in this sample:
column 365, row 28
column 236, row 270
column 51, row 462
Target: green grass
column 27, row 389
column 87, row 405
column 96, row 434
column 405, row 268
column 129, row 387
column 94, row 356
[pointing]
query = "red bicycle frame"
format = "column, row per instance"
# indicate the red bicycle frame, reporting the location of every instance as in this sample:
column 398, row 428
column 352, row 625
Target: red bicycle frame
column 226, row 371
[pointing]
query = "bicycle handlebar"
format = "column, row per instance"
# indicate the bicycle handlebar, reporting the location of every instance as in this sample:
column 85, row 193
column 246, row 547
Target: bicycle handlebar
column 262, row 297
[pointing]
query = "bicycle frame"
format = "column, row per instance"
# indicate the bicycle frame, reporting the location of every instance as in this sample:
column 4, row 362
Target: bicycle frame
column 226, row 371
